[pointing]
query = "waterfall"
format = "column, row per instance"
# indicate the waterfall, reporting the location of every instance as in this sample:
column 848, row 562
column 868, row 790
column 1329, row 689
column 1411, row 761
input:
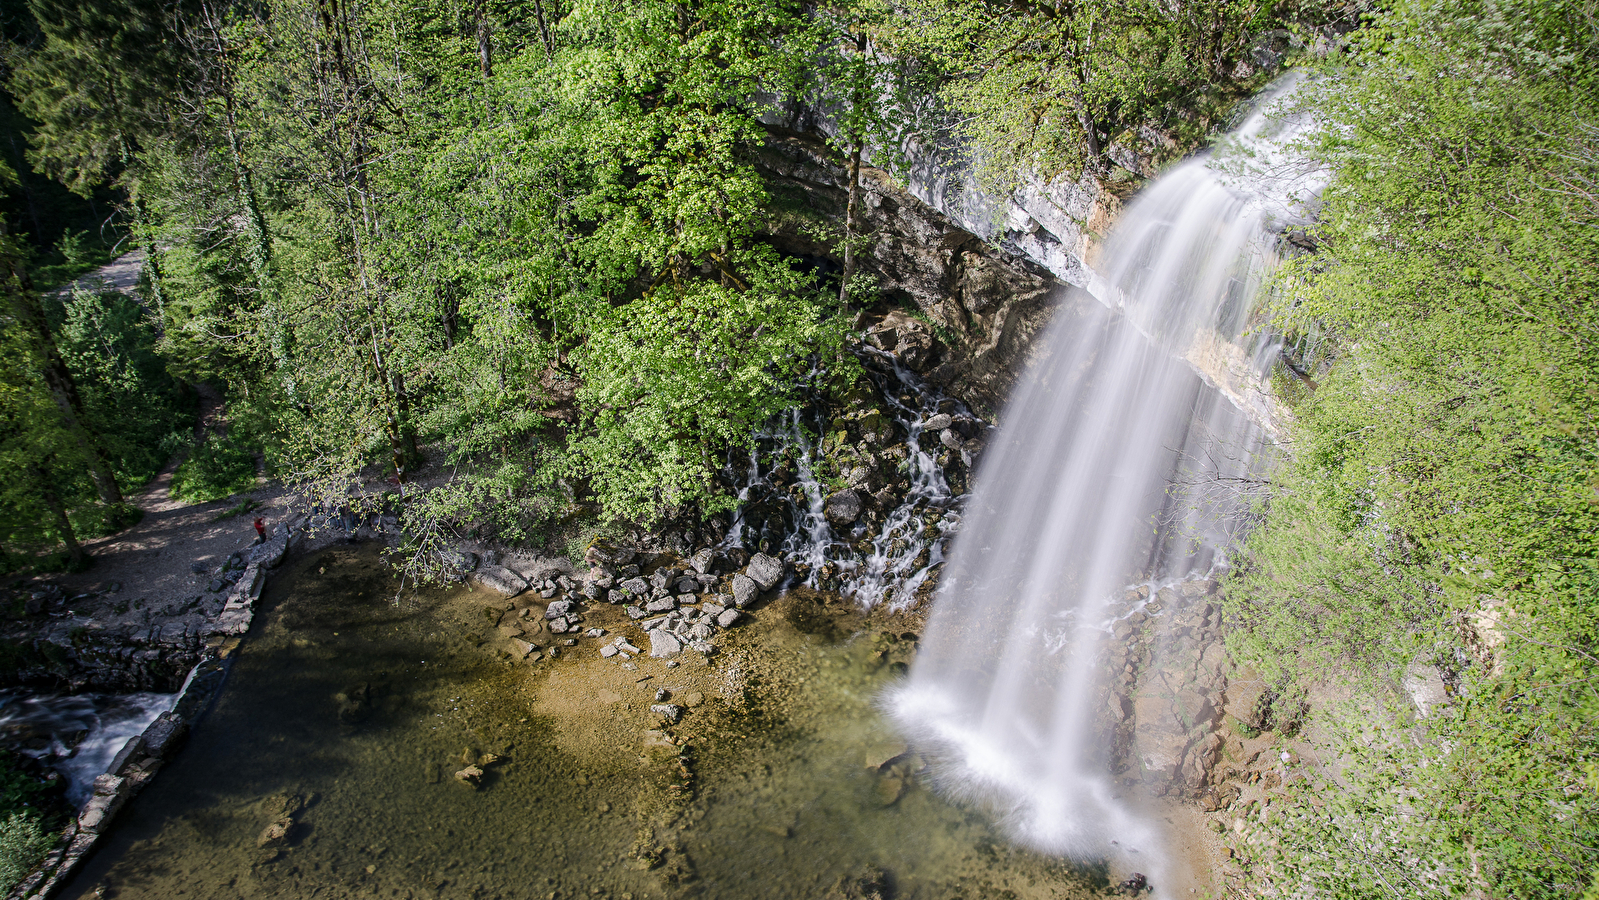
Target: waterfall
column 1112, row 466
column 883, row 562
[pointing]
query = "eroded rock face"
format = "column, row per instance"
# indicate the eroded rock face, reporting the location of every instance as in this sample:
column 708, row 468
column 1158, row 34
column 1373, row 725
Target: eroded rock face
column 1167, row 688
column 976, row 309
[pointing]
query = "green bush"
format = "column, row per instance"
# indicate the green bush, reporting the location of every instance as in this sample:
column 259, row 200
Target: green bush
column 217, row 468
column 1439, row 511
column 132, row 403
column 22, row 842
column 24, row 833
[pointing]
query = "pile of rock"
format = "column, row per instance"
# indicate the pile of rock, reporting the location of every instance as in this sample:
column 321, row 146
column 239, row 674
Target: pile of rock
column 679, row 604
column 680, row 608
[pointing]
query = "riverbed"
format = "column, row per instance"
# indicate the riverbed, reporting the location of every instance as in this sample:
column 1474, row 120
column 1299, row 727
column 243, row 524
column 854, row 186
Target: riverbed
column 328, row 766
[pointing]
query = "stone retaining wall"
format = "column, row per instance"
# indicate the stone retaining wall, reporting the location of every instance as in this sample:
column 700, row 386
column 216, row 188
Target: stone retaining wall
column 211, row 645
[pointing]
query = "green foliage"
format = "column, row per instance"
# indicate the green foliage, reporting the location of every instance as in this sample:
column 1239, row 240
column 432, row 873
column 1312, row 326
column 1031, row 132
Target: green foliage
column 1045, row 87
column 75, row 254
column 23, row 842
column 242, row 508
column 24, row 839
column 217, row 468
column 109, row 343
column 1442, row 505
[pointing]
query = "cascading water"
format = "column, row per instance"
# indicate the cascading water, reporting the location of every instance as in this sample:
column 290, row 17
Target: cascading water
column 1103, row 475
column 874, row 560
column 78, row 734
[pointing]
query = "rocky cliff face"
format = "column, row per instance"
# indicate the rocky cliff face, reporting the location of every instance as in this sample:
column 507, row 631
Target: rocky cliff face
column 958, row 309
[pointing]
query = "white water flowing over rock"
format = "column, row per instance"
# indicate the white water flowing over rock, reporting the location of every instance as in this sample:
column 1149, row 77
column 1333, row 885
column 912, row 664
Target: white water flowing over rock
column 79, row 734
column 896, row 556
column 1116, row 464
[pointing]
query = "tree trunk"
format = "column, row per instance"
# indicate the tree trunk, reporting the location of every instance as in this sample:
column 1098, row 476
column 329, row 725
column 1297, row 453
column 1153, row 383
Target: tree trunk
column 59, row 512
column 851, row 213
column 544, row 29
column 485, row 47
column 63, row 389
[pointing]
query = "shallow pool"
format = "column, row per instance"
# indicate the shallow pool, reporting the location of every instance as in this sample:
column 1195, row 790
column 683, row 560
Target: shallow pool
column 327, row 767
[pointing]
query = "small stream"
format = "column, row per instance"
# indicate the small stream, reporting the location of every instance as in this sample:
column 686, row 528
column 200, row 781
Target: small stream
column 77, row 734
column 345, row 718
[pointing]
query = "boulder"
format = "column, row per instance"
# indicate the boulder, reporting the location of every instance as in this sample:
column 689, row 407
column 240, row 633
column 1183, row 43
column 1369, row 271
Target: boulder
column 636, row 586
column 558, row 609
column 745, row 591
column 600, row 553
column 727, row 617
column 765, row 571
column 165, row 735
column 702, row 561
column 500, row 580
column 670, row 712
column 906, row 337
column 1426, row 687
column 1245, row 691
column 938, row 422
column 108, row 797
column 842, row 508
column 663, row 643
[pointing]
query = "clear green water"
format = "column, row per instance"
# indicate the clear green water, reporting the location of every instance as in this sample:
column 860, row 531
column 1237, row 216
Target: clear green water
column 359, row 713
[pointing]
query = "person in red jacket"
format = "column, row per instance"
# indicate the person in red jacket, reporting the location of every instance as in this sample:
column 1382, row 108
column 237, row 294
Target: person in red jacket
column 260, row 530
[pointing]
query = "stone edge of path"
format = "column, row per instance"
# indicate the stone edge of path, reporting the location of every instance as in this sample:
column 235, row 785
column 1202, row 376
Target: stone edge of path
column 142, row 756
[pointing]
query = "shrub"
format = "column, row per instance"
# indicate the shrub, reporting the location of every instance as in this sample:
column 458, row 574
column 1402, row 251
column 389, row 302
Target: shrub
column 22, row 842
column 217, row 468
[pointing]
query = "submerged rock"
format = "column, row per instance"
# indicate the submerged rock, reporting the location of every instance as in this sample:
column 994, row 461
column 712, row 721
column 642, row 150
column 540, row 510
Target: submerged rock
column 870, row 883
column 276, row 834
column 500, row 580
